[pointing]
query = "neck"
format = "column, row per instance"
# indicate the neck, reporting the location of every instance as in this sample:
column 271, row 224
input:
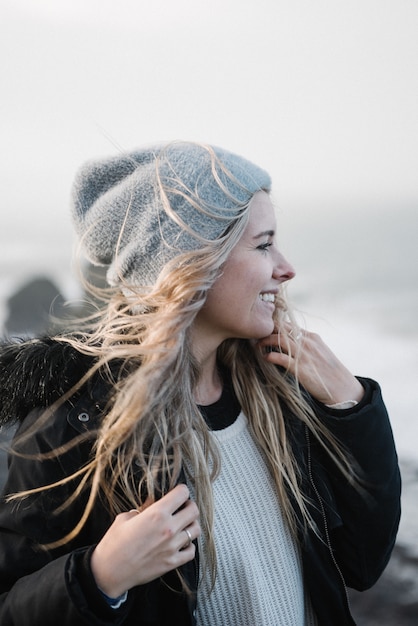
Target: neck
column 209, row 386
column 205, row 347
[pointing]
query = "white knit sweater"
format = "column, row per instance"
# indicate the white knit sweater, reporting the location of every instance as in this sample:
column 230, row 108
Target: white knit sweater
column 259, row 580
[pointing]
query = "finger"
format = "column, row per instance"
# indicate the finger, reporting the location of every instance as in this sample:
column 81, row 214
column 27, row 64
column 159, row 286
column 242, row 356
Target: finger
column 281, row 359
column 127, row 515
column 288, row 336
column 187, row 535
column 269, row 340
column 186, row 516
column 189, row 539
column 175, row 498
column 281, row 350
column 269, row 344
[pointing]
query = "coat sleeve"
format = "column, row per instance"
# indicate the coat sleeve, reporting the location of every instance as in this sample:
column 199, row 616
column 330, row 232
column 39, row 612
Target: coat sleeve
column 364, row 534
column 37, row 585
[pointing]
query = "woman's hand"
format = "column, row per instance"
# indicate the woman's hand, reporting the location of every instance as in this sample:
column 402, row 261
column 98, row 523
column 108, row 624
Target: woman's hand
column 141, row 546
column 316, row 367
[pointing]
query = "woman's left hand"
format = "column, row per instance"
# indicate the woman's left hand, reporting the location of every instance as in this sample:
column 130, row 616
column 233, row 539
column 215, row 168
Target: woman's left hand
column 309, row 359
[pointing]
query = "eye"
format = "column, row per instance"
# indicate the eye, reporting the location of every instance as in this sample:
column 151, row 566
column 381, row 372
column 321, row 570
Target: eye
column 265, row 246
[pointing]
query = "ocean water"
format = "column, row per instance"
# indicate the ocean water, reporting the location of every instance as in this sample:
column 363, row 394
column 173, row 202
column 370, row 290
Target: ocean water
column 358, row 287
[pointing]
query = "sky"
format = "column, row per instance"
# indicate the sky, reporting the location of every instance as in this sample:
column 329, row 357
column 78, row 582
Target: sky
column 322, row 94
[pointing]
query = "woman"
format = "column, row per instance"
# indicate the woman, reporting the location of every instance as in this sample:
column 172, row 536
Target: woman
column 195, row 458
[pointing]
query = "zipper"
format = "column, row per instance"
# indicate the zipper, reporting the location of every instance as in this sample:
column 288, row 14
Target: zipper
column 324, row 518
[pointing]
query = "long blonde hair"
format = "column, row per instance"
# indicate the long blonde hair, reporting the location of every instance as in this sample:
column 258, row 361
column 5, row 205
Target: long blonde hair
column 153, row 427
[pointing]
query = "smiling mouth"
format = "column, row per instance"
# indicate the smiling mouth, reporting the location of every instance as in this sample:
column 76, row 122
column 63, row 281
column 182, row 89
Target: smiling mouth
column 267, row 297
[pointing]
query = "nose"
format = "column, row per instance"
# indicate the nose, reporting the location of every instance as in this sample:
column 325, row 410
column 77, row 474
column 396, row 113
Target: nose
column 283, row 270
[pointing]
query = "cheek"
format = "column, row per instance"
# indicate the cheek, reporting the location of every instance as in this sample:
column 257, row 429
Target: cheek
column 240, row 284
column 243, row 290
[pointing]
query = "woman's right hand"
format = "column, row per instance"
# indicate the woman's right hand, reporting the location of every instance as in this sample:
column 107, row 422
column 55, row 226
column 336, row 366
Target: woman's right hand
column 141, row 546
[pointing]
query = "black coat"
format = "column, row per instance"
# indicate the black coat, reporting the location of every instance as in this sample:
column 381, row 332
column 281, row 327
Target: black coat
column 57, row 587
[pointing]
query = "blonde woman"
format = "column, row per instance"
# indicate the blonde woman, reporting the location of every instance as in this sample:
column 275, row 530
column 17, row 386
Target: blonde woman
column 195, row 457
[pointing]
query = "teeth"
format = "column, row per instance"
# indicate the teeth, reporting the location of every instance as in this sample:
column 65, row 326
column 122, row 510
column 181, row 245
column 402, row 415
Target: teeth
column 267, row 297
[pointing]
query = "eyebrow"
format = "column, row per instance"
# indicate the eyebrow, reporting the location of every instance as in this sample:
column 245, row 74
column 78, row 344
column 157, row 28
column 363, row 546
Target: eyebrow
column 268, row 233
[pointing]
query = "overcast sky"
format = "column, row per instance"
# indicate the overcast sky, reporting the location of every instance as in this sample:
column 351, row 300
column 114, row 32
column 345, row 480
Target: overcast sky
column 322, row 93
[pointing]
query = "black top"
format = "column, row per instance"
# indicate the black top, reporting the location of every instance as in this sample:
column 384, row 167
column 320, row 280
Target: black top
column 224, row 411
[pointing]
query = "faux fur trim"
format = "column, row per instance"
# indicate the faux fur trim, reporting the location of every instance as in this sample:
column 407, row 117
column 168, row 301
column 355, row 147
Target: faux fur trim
column 36, row 373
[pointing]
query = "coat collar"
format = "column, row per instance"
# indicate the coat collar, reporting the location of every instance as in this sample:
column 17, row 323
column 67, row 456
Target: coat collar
column 36, row 373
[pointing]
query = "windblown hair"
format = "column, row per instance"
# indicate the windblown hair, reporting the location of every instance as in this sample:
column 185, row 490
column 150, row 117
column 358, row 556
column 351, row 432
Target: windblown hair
column 153, row 427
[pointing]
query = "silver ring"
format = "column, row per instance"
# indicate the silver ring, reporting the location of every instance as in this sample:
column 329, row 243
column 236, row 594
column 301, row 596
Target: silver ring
column 297, row 337
column 189, row 538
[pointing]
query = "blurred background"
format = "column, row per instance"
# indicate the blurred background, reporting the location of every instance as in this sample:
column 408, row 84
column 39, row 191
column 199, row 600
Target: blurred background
column 324, row 95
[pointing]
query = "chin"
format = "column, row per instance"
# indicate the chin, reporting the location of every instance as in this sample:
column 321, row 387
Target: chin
column 262, row 333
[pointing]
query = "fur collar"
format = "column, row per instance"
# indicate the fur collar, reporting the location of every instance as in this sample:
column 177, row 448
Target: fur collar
column 36, row 373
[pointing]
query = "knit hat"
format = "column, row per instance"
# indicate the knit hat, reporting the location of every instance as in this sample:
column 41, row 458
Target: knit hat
column 139, row 210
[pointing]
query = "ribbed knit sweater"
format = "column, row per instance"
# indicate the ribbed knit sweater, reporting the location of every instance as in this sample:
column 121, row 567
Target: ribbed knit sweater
column 259, row 581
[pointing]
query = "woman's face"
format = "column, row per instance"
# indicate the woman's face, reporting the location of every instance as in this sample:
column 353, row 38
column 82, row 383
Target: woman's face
column 241, row 302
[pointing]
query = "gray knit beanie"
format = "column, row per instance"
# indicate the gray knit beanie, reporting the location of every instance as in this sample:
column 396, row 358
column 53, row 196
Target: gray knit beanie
column 138, row 210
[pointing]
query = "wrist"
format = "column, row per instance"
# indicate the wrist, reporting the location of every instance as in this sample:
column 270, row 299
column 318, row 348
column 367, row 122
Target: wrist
column 352, row 393
column 107, row 583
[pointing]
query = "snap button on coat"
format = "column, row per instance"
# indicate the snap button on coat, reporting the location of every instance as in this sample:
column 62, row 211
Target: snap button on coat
column 83, row 417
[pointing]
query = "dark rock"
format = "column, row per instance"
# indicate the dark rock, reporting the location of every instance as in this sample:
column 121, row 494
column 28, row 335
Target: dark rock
column 393, row 601
column 32, row 309
column 38, row 307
